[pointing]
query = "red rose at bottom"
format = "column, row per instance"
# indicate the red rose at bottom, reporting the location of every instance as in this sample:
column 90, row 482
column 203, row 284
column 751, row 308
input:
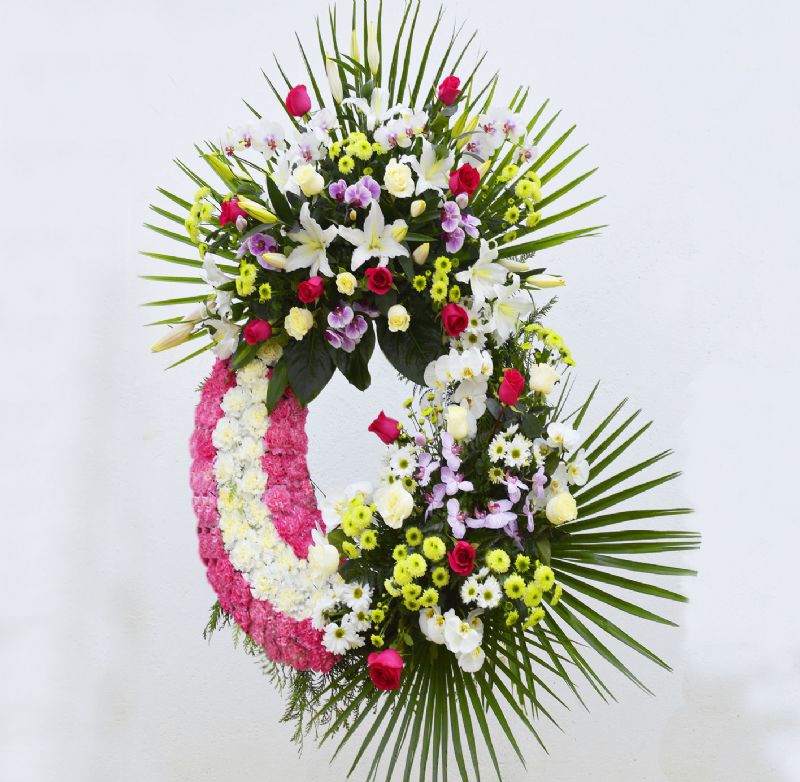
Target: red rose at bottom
column 385, row 669
column 462, row 558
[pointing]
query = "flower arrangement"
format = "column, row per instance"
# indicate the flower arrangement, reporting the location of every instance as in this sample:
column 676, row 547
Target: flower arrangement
column 442, row 602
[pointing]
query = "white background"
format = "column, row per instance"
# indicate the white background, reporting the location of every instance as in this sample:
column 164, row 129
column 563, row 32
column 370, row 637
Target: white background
column 687, row 304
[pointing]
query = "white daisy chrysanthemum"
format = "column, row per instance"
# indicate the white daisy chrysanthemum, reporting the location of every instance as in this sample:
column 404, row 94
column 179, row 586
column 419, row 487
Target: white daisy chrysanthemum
column 470, row 589
column 340, row 638
column 518, row 452
column 489, row 593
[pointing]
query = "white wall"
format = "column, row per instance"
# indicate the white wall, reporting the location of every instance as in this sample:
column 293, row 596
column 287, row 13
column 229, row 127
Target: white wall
column 687, row 304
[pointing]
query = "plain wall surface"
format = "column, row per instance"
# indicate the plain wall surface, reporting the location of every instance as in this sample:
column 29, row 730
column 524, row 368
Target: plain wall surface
column 686, row 304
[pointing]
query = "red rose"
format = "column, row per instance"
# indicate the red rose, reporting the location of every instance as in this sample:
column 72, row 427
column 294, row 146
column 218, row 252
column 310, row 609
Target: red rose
column 229, row 210
column 257, row 331
column 511, row 388
column 454, row 319
column 464, row 180
column 310, row 290
column 462, row 558
column 385, row 669
column 297, row 101
column 379, row 280
column 448, row 90
column 388, row 429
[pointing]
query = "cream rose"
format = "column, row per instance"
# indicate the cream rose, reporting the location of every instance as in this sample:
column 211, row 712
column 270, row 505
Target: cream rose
column 309, row 180
column 346, row 283
column 543, row 377
column 394, row 504
column 457, row 422
column 398, row 181
column 399, row 319
column 561, row 508
column 298, row 322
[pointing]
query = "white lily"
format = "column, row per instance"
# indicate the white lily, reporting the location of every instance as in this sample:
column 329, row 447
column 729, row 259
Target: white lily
column 508, row 309
column 226, row 337
column 376, row 240
column 313, row 240
column 432, row 173
column 484, row 276
column 377, row 109
column 212, row 274
column 282, row 175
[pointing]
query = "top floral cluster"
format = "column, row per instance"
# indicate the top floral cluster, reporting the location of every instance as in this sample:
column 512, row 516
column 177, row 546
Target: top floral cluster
column 374, row 218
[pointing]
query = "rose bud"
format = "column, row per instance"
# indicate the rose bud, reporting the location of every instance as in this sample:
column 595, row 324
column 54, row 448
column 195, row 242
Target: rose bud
column 464, row 179
column 385, row 669
column 297, row 101
column 229, row 210
column 310, row 290
column 388, row 429
column 257, row 331
column 454, row 319
column 511, row 387
column 449, row 91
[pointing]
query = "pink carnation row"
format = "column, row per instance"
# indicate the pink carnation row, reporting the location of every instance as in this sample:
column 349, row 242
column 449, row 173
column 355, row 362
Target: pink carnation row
column 290, row 498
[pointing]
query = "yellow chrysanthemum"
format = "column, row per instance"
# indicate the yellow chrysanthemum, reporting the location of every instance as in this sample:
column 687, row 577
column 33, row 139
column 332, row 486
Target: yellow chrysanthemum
column 440, row 576
column 264, row 292
column 498, row 561
column 346, row 164
column 416, row 565
column 419, row 283
column 413, row 536
column 434, row 549
column 430, row 598
column 514, row 587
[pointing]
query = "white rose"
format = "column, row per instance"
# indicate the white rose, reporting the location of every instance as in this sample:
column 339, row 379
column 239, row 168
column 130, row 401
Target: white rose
column 346, row 283
column 298, row 322
column 561, row 508
column 457, row 418
column 323, row 558
column 309, row 180
column 394, row 504
column 543, row 378
column 270, row 352
column 399, row 319
column 397, row 179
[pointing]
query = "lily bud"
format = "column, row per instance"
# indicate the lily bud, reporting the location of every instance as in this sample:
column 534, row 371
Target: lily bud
column 373, row 52
column 545, row 281
column 515, row 267
column 335, row 81
column 468, row 128
column 399, row 231
column 179, row 333
column 420, row 255
column 353, row 215
column 278, row 260
column 354, row 47
column 222, row 170
column 256, row 210
column 484, row 167
column 417, row 207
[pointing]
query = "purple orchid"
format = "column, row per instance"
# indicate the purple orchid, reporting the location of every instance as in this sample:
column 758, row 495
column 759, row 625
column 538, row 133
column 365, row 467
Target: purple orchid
column 499, row 515
column 454, row 240
column 451, row 452
column 366, row 309
column 358, row 196
column 450, row 216
column 340, row 317
column 454, row 482
column 538, row 481
column 337, row 190
column 356, row 328
column 456, row 518
column 457, row 226
column 257, row 245
column 528, row 510
column 427, row 466
column 514, row 485
column 373, row 187
column 435, row 499
column 470, row 225
column 512, row 530
column 340, row 341
column 420, row 439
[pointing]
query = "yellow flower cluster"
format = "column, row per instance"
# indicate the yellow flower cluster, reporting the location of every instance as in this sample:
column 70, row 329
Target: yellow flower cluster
column 357, row 521
column 531, row 591
column 411, row 566
column 552, row 340
column 200, row 212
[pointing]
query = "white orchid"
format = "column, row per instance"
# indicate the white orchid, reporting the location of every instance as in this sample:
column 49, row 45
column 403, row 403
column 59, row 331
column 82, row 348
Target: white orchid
column 377, row 109
column 432, row 173
column 313, row 240
column 322, row 123
column 484, row 276
column 508, row 309
column 269, row 137
column 376, row 240
column 282, row 175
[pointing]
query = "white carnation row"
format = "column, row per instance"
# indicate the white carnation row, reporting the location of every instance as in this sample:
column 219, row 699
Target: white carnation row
column 268, row 564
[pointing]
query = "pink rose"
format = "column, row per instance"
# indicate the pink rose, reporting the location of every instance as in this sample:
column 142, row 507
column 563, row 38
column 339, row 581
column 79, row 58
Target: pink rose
column 449, row 90
column 464, row 179
column 388, row 429
column 385, row 669
column 229, row 210
column 462, row 558
column 310, row 290
column 257, row 331
column 454, row 319
column 379, row 280
column 297, row 101
column 511, row 388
